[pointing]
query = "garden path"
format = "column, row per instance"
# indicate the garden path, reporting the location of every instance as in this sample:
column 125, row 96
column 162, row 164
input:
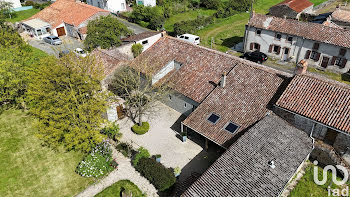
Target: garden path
column 125, row 171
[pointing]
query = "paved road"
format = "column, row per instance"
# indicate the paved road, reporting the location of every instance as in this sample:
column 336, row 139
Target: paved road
column 134, row 27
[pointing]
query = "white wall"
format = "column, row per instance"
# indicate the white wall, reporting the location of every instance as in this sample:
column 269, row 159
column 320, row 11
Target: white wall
column 151, row 40
column 150, row 3
column 110, row 5
column 15, row 3
column 298, row 48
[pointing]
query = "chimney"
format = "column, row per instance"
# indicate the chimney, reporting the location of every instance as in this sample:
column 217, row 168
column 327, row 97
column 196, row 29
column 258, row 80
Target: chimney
column 223, row 80
column 272, row 164
column 301, row 68
column 163, row 33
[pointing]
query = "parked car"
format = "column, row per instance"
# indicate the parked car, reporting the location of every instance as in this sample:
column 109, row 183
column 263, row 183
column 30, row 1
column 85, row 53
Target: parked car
column 255, row 56
column 63, row 53
column 54, row 40
column 80, row 52
column 190, row 38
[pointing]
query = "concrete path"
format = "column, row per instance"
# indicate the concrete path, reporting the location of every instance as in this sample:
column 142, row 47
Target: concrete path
column 124, row 171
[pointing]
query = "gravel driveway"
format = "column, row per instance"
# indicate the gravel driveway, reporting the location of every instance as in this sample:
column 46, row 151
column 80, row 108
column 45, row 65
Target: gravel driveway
column 68, row 44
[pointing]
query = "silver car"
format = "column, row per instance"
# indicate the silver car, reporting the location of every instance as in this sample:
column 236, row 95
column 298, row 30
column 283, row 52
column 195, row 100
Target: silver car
column 54, row 40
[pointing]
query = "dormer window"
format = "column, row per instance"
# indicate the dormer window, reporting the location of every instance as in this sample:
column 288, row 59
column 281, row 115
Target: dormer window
column 258, row 32
column 213, row 118
column 278, row 36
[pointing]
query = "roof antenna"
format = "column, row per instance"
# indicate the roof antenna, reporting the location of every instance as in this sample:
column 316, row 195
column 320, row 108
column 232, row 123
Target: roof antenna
column 271, row 164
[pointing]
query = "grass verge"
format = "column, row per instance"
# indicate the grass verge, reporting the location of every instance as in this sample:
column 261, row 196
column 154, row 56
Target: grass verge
column 307, row 187
column 29, row 169
column 115, row 189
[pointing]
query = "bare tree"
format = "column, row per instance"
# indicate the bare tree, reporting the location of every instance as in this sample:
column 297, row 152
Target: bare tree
column 136, row 88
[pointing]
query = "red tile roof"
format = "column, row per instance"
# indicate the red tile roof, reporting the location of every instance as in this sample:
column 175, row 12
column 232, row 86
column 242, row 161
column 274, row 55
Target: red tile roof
column 243, row 101
column 296, row 5
column 341, row 15
column 311, row 31
column 68, row 11
column 111, row 59
column 201, row 66
column 319, row 99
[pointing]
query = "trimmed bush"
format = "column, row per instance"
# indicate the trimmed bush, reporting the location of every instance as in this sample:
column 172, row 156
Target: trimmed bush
column 124, row 148
column 140, row 130
column 160, row 176
column 137, row 49
column 142, row 153
column 112, row 131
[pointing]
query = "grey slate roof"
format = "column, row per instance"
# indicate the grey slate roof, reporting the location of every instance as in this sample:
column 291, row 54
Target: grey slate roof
column 243, row 169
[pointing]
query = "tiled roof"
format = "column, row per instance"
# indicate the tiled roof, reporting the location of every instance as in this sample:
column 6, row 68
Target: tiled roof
column 68, row 11
column 243, row 101
column 322, row 100
column 140, row 36
column 296, row 5
column 243, row 169
column 201, row 67
column 111, row 59
column 341, row 15
column 311, row 31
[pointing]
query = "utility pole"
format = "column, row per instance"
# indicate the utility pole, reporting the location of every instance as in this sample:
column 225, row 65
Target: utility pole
column 211, row 42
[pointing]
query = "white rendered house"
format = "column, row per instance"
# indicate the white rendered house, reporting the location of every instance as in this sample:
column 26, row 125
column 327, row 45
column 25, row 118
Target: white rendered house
column 110, row 5
column 150, row 3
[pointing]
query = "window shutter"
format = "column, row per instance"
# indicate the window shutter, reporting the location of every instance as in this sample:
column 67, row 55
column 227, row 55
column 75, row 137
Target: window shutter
column 278, row 50
column 251, row 46
column 342, row 52
column 307, row 54
column 317, row 57
column 316, row 46
column 270, row 48
column 333, row 60
column 343, row 63
column 258, row 45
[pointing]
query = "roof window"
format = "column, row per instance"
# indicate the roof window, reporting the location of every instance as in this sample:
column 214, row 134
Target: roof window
column 231, row 127
column 213, row 118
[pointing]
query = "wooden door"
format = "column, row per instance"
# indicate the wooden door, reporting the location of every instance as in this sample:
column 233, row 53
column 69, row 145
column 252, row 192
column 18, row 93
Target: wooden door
column 120, row 112
column 325, row 61
column 61, row 31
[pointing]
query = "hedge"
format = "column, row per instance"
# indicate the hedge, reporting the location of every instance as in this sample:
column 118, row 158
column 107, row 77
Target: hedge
column 141, row 129
column 142, row 152
column 160, row 176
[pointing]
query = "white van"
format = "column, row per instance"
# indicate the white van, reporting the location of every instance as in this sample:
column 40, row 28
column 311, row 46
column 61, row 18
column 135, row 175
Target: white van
column 190, row 38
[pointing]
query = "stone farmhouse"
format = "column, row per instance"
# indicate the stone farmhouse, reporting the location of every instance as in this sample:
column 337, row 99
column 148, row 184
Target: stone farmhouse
column 256, row 113
column 324, row 47
column 291, row 8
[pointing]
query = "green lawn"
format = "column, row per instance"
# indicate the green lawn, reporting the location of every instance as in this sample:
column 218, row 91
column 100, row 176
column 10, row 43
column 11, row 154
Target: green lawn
column 190, row 15
column 307, row 187
column 21, row 15
column 317, row 2
column 115, row 189
column 229, row 31
column 29, row 169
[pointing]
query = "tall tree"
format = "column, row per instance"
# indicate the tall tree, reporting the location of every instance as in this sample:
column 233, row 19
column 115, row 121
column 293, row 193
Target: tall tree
column 67, row 100
column 105, row 32
column 16, row 61
column 137, row 90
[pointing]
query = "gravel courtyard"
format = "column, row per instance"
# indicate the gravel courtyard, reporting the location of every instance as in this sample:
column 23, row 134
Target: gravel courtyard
column 162, row 139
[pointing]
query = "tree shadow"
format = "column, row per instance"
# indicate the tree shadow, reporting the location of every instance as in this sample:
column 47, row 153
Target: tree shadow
column 230, row 42
column 346, row 76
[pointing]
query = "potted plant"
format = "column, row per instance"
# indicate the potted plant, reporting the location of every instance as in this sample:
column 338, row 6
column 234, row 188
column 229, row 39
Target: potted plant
column 177, row 171
column 158, row 158
column 114, row 164
column 184, row 136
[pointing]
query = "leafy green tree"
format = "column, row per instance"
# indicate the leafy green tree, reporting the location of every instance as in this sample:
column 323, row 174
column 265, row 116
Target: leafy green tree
column 212, row 4
column 16, row 62
column 105, row 32
column 137, row 49
column 151, row 17
column 239, row 5
column 66, row 98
